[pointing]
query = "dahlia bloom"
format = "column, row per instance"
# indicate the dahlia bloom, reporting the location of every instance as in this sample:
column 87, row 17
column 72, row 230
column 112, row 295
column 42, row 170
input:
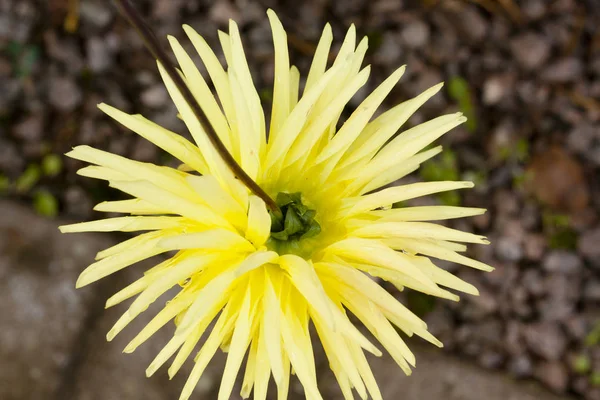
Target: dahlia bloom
column 264, row 279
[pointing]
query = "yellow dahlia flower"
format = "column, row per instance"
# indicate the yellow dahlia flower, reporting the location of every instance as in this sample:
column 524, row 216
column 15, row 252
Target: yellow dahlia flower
column 265, row 278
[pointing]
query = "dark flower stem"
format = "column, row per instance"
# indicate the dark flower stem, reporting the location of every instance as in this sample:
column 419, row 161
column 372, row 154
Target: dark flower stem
column 152, row 44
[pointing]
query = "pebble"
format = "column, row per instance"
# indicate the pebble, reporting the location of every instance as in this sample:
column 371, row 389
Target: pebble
column 554, row 375
column 576, row 326
column 562, row 261
column 584, row 139
column 521, row 367
column 563, row 71
column 490, row 359
column 97, row 13
column 546, row 340
column 534, row 247
column 64, row 94
column 531, row 50
column 155, row 97
column 78, row 202
column 557, row 179
column 475, row 26
column 11, row 162
column 589, row 246
column 222, row 11
column 533, row 9
column 533, row 281
column 480, row 306
column 591, row 291
column 509, row 249
column 99, row 56
column 30, row 129
column 415, row 34
column 389, row 52
column 144, row 150
column 496, row 88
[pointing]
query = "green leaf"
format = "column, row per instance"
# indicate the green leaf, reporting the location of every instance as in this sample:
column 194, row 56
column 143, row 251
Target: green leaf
column 52, row 164
column 595, row 378
column 28, row 179
column 283, row 199
column 308, row 216
column 293, row 224
column 313, row 230
column 4, row 183
column 276, row 222
column 280, row 235
column 581, row 364
column 45, row 204
column 459, row 90
column 301, row 209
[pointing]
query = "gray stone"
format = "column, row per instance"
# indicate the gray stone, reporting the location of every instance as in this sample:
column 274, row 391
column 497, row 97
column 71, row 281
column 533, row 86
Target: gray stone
column 30, row 129
column 10, row 160
column 64, row 94
column 531, row 50
column 496, row 88
column 97, row 13
column 591, row 290
column 589, row 246
column 107, row 373
column 443, row 377
column 534, row 283
column 144, row 150
column 554, row 375
column 509, row 249
column 521, row 366
column 562, row 261
column 41, row 314
column 390, row 50
column 415, row 34
column 222, row 11
column 155, row 97
column 475, row 26
column 563, row 71
column 585, row 140
column 534, row 9
column 546, row 340
column 99, row 56
column 534, row 246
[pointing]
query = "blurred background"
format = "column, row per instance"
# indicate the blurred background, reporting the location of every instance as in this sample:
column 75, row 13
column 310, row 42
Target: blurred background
column 525, row 72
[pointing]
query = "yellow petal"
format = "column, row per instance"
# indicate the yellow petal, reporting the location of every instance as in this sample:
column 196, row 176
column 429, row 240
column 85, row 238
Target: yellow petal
column 319, row 63
column 359, row 119
column 259, row 222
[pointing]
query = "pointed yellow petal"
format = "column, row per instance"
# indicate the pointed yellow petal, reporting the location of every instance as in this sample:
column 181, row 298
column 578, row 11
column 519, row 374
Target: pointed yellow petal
column 125, row 224
column 378, row 132
column 309, row 136
column 389, row 196
column 259, row 222
column 281, row 85
column 294, row 86
column 202, row 93
column 132, row 206
column 237, row 350
column 359, row 119
column 418, row 230
column 426, row 213
column 169, row 141
column 319, row 63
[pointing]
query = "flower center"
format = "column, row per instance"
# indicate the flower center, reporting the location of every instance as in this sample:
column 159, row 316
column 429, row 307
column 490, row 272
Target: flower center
column 296, row 224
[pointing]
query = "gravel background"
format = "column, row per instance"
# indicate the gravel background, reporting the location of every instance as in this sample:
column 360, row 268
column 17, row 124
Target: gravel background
column 525, row 72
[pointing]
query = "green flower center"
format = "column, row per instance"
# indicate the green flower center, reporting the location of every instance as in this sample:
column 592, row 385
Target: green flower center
column 296, row 223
